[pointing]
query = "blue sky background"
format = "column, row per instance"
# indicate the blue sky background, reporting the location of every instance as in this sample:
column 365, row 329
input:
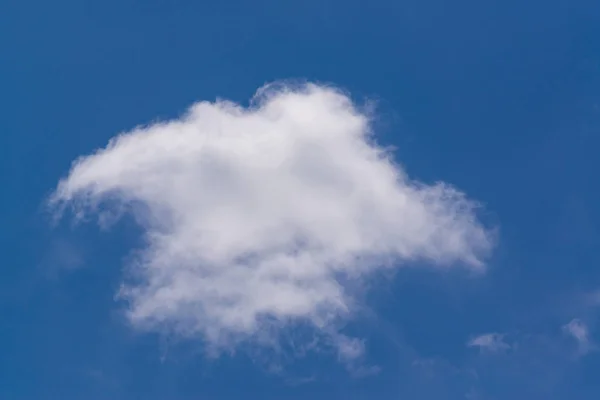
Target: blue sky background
column 501, row 99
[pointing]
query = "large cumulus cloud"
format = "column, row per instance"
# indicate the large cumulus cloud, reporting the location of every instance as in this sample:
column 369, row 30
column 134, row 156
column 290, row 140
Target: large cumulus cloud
column 255, row 218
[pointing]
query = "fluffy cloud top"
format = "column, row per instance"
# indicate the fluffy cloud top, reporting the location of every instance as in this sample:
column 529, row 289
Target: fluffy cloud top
column 258, row 217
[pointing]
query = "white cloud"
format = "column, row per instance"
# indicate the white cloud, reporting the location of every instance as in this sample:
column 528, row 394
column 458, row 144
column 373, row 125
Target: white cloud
column 489, row 342
column 256, row 218
column 581, row 333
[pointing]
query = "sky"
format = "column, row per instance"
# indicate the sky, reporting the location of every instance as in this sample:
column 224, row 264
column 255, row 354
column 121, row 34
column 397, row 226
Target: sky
column 299, row 200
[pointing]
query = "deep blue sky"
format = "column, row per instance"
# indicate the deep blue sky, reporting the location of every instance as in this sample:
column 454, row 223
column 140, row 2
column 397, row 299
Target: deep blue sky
column 500, row 98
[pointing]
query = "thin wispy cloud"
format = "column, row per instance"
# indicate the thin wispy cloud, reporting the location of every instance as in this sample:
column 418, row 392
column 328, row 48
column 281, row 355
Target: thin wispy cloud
column 259, row 218
column 593, row 298
column 489, row 342
column 61, row 256
column 579, row 331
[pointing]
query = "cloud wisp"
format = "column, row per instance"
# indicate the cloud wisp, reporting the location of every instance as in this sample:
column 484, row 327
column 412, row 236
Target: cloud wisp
column 261, row 217
column 579, row 331
column 489, row 342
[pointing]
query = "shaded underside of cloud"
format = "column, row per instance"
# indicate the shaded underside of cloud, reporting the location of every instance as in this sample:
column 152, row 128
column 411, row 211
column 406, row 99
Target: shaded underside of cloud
column 261, row 217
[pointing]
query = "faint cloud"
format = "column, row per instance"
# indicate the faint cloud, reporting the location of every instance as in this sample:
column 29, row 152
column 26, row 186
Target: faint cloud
column 434, row 378
column 349, row 348
column 593, row 298
column 489, row 342
column 100, row 377
column 258, row 218
column 580, row 332
column 61, row 255
column 300, row 380
column 537, row 366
